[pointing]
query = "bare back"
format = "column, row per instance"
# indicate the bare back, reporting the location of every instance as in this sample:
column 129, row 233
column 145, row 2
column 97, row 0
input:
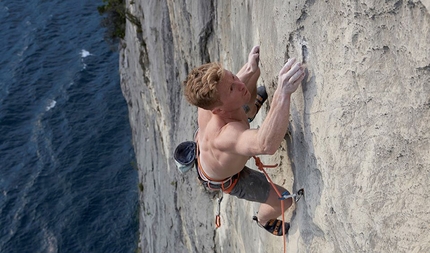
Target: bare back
column 217, row 163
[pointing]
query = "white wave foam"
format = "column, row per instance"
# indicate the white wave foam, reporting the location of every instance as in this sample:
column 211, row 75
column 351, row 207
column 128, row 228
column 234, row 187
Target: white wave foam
column 51, row 105
column 85, row 53
column 50, row 240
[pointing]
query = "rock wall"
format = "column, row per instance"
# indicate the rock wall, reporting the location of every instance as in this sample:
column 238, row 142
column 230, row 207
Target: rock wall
column 359, row 140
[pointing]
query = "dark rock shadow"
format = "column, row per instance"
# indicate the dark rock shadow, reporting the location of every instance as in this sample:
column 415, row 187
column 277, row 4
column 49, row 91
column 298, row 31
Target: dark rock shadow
column 304, row 164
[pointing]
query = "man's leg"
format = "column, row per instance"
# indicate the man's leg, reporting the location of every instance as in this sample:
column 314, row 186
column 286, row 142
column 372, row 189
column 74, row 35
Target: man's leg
column 272, row 208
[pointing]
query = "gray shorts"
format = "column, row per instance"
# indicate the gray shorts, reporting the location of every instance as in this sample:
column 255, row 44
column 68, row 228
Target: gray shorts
column 252, row 185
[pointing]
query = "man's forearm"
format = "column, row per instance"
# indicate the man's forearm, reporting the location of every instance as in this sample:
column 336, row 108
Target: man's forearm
column 245, row 73
column 274, row 127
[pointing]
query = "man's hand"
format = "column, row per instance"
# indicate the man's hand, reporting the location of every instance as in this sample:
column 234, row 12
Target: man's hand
column 290, row 76
column 254, row 59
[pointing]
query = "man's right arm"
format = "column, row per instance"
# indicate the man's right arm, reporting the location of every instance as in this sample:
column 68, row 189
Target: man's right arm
column 268, row 138
column 275, row 126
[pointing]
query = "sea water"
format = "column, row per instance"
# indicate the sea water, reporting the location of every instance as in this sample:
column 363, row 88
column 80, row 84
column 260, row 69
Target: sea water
column 67, row 182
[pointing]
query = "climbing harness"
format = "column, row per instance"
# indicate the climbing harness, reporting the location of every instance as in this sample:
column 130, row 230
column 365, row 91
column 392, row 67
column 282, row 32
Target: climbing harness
column 225, row 185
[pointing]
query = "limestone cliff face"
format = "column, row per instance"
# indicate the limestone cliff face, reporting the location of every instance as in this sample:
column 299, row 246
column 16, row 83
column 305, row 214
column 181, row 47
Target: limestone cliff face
column 359, row 140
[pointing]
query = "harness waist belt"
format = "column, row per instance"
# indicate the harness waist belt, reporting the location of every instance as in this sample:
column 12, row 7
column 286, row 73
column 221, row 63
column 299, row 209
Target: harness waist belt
column 225, row 185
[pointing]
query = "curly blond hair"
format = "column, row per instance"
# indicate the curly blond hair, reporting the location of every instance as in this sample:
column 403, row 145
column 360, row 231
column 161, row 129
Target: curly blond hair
column 200, row 86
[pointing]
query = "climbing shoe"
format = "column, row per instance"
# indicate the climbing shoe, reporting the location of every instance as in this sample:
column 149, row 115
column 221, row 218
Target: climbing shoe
column 273, row 226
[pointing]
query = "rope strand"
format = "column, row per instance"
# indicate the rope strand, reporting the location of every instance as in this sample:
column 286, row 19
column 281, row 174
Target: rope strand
column 261, row 167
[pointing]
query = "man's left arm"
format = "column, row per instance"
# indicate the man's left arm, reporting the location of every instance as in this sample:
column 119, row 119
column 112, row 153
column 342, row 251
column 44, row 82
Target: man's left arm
column 250, row 72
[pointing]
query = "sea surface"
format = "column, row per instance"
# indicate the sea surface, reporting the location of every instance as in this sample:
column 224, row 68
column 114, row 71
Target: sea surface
column 67, row 182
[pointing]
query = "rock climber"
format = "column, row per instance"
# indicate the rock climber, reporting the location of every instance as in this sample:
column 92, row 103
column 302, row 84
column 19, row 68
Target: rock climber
column 227, row 103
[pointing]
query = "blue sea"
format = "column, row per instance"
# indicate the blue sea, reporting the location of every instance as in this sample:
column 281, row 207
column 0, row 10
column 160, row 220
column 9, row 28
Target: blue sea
column 67, row 179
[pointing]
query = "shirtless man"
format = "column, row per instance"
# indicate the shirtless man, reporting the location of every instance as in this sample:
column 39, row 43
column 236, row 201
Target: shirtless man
column 225, row 140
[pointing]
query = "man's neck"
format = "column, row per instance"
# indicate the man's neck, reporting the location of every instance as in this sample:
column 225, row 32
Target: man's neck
column 233, row 115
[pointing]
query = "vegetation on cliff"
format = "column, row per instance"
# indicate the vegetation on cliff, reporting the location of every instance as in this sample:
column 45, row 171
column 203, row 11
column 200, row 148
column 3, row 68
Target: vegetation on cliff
column 115, row 15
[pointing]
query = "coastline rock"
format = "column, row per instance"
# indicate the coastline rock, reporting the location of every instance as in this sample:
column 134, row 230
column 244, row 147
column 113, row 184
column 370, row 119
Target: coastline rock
column 359, row 139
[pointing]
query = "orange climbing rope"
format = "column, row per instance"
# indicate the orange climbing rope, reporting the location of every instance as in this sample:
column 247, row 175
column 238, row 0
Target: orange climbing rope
column 261, row 167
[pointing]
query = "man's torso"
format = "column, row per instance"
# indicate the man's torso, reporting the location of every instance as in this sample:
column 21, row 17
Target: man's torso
column 217, row 164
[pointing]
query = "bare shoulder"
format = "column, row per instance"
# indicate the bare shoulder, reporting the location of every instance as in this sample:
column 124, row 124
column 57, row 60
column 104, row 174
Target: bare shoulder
column 209, row 128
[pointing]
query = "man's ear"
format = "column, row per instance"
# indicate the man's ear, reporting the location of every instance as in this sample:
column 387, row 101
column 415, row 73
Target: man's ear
column 216, row 110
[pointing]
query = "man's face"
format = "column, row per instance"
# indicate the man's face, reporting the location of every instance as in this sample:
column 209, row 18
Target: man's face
column 233, row 92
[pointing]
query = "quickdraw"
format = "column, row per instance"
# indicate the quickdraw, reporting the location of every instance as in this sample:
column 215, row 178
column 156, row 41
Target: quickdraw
column 218, row 214
column 296, row 196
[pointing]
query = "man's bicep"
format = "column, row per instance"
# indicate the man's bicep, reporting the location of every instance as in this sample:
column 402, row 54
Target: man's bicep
column 247, row 143
column 238, row 140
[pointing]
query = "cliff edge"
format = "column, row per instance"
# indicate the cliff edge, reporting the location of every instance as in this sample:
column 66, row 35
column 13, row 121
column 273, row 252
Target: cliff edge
column 359, row 139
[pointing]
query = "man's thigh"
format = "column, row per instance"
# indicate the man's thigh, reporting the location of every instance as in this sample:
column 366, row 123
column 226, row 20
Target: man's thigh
column 252, row 186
